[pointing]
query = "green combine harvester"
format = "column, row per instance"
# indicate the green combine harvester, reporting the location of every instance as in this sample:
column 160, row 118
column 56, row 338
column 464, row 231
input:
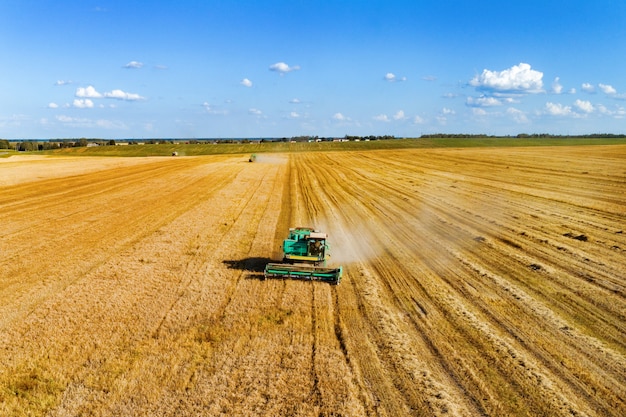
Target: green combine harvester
column 305, row 254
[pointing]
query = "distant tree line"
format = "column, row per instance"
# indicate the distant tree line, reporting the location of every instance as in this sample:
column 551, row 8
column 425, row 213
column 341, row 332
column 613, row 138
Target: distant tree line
column 454, row 136
column 47, row 145
column 520, row 136
column 158, row 141
column 593, row 135
column 370, row 137
column 606, row 135
column 33, row 145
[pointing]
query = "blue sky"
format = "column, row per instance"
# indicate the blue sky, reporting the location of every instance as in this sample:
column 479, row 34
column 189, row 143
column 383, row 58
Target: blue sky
column 134, row 69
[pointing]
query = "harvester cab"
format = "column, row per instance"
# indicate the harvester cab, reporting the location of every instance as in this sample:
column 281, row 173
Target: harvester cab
column 305, row 245
column 305, row 252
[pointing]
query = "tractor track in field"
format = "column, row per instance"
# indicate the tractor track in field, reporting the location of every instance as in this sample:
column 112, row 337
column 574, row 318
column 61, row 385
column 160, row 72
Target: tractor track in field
column 229, row 232
column 476, row 282
column 483, row 254
column 142, row 225
column 404, row 388
column 64, row 209
column 69, row 191
column 459, row 220
column 529, row 257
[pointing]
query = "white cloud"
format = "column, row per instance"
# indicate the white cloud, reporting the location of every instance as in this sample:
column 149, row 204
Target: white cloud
column 14, row 120
column 391, row 77
column 62, row 82
column 87, row 92
column 618, row 113
column 446, row 111
column 246, row 82
column 67, row 119
column 399, row 115
column 518, row 115
column 91, row 92
column 82, row 103
column 381, row 118
column 53, row 105
column 294, row 115
column 602, row 109
column 339, row 116
column 211, row 110
column 557, row 109
column 255, row 112
column 477, row 111
column 584, row 106
column 417, row 120
column 443, row 116
column 89, row 123
column 557, row 88
column 110, row 124
column 283, row 68
column 588, row 88
column 483, row 101
column 517, row 79
column 134, row 65
column 122, row 95
column 295, row 101
column 607, row 89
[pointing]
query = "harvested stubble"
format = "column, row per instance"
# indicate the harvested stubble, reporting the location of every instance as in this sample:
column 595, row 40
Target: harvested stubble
column 135, row 289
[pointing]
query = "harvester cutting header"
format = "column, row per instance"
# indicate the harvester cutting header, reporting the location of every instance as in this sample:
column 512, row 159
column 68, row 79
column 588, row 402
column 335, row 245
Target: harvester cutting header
column 305, row 252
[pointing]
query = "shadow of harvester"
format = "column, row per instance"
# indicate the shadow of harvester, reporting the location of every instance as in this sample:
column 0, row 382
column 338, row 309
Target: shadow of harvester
column 255, row 266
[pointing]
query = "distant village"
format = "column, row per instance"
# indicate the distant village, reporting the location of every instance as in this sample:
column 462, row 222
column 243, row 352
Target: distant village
column 47, row 144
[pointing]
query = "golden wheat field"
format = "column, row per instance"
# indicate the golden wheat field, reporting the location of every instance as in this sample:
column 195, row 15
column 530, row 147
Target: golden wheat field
column 477, row 282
